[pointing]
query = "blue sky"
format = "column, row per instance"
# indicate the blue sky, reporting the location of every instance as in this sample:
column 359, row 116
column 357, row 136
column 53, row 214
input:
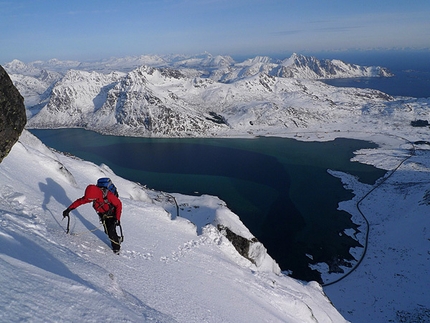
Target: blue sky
column 95, row 29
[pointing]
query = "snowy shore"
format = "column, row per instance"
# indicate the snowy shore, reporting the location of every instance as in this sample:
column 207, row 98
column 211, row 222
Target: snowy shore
column 391, row 282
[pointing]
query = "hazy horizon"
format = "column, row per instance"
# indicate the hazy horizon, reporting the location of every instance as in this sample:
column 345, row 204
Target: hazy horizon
column 87, row 30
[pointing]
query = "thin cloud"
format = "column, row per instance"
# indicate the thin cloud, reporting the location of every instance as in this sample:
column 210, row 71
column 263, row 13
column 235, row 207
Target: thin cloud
column 315, row 30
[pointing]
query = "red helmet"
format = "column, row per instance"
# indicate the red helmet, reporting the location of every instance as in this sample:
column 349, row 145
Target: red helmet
column 92, row 192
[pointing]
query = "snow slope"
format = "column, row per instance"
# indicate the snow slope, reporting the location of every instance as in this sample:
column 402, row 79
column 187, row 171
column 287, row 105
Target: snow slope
column 169, row 269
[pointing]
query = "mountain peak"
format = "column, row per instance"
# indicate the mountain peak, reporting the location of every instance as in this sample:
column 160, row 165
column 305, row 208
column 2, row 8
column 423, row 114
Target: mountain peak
column 16, row 66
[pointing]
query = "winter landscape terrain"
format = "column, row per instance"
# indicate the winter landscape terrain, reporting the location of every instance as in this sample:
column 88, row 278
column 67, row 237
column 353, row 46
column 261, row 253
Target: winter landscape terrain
column 207, row 96
column 168, row 270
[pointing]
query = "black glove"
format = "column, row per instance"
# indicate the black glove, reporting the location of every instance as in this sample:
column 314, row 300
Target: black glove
column 66, row 212
column 117, row 223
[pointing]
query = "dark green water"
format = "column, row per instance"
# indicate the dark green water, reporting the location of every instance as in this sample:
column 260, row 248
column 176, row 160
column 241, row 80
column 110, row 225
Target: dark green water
column 279, row 187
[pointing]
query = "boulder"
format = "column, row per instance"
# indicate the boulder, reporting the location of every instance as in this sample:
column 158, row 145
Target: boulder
column 12, row 114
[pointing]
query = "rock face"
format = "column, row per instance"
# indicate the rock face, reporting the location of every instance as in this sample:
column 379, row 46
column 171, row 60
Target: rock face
column 12, row 114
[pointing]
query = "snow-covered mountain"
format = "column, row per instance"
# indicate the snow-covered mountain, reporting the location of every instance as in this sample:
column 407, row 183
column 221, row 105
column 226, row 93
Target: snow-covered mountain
column 298, row 66
column 161, row 102
column 171, row 268
column 313, row 68
column 33, row 83
column 207, row 96
column 176, row 95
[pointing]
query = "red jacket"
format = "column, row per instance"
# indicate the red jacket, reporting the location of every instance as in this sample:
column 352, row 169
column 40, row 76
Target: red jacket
column 95, row 194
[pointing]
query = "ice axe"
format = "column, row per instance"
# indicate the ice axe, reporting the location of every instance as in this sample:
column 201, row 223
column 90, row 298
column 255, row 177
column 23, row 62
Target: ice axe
column 68, row 223
column 122, row 236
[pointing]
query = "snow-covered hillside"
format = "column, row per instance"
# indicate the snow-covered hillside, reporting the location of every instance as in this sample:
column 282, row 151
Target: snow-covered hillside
column 166, row 103
column 169, row 269
column 200, row 96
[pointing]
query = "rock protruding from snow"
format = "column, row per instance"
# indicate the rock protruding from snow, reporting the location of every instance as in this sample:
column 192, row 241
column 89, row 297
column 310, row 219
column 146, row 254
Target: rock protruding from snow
column 12, row 114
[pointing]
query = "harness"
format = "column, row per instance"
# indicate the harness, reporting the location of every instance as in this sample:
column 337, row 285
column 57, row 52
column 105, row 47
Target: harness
column 109, row 213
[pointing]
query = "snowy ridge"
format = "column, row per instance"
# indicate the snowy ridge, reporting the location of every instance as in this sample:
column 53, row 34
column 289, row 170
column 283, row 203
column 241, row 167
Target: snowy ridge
column 205, row 96
column 299, row 66
column 169, row 269
column 313, row 68
column 164, row 102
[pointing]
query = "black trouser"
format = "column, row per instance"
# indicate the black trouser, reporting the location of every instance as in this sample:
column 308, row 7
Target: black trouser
column 109, row 224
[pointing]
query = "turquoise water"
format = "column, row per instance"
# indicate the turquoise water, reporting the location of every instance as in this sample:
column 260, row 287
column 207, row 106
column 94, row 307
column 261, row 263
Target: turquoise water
column 279, row 187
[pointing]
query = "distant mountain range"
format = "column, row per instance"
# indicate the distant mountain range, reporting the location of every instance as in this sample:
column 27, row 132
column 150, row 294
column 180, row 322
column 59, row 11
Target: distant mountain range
column 205, row 95
column 206, row 65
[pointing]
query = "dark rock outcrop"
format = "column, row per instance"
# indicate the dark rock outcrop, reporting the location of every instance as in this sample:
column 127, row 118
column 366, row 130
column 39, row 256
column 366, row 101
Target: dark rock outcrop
column 240, row 243
column 12, row 114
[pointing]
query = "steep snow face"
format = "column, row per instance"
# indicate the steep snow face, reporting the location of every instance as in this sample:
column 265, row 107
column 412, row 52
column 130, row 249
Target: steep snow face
column 77, row 96
column 152, row 102
column 36, row 90
column 171, row 268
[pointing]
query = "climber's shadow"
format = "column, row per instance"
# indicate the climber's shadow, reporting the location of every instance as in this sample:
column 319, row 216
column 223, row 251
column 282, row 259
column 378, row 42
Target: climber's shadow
column 54, row 190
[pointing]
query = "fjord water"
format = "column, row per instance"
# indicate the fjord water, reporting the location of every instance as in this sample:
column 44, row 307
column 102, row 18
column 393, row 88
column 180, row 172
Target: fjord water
column 279, row 187
column 411, row 71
